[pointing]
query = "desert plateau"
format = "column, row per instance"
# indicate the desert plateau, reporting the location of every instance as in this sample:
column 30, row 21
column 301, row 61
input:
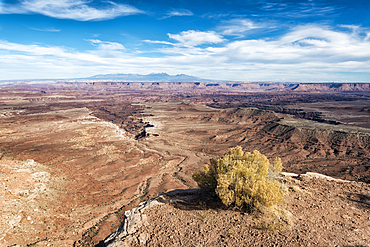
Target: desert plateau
column 170, row 123
column 74, row 156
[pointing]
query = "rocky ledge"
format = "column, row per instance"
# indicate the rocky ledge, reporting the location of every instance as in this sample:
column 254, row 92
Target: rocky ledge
column 135, row 218
column 324, row 211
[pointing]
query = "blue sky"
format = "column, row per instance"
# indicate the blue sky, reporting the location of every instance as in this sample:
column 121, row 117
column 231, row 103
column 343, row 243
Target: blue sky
column 276, row 40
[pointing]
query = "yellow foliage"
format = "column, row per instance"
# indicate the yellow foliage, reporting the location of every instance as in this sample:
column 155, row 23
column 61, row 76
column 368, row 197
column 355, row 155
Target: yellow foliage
column 243, row 179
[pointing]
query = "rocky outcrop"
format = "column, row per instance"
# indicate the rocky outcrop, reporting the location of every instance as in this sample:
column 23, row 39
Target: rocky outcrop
column 332, row 87
column 135, row 218
column 129, row 234
column 338, row 140
column 311, row 175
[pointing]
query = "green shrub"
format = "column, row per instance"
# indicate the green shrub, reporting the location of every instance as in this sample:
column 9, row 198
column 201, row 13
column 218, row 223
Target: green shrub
column 240, row 179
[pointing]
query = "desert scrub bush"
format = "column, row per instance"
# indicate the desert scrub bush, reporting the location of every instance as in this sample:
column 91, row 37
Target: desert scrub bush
column 243, row 179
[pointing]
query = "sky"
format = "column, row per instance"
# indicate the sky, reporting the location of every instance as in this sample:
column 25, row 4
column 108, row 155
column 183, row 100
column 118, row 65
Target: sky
column 236, row 40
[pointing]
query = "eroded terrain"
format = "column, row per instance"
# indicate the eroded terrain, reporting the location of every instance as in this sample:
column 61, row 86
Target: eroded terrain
column 316, row 212
column 73, row 158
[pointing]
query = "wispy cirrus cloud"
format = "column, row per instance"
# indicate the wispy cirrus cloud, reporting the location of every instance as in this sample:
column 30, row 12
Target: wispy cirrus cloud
column 270, row 5
column 178, row 12
column 107, row 49
column 40, row 51
column 106, row 45
column 302, row 9
column 50, row 29
column 70, row 9
column 312, row 8
column 158, row 42
column 195, row 38
column 237, row 27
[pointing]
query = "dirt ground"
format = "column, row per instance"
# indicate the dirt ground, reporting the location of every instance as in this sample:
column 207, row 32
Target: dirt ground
column 316, row 212
column 72, row 159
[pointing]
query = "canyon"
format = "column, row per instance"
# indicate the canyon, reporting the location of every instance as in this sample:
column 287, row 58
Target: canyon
column 76, row 155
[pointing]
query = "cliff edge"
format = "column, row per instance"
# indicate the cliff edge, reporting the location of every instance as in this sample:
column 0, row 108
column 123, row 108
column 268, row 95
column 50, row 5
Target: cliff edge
column 319, row 210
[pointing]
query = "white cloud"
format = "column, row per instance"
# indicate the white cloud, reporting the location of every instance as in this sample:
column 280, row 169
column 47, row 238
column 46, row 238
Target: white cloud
column 45, row 29
column 31, row 49
column 351, row 27
column 195, row 38
column 178, row 12
column 274, row 6
column 314, row 9
column 55, row 53
column 300, row 9
column 70, row 9
column 6, row 8
column 306, row 53
column 105, row 45
column 304, row 44
column 237, row 27
column 158, row 42
column 367, row 36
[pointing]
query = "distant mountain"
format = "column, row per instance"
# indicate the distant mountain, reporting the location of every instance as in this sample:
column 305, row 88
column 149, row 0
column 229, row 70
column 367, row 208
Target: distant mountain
column 153, row 77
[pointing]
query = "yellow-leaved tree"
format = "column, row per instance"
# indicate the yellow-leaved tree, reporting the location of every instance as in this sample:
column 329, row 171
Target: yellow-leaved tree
column 243, row 179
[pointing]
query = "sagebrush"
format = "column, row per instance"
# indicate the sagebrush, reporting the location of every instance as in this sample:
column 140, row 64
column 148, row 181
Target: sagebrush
column 243, row 179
